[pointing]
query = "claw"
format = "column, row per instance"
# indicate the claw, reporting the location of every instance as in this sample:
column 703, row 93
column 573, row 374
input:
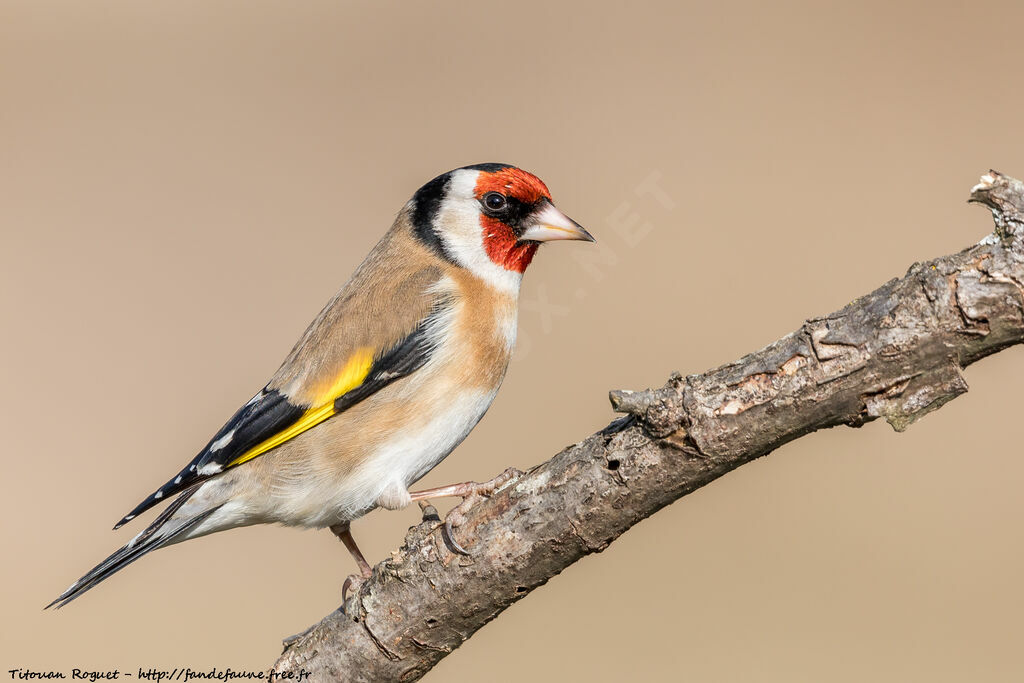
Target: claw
column 352, row 582
column 449, row 538
column 344, row 588
column 470, row 492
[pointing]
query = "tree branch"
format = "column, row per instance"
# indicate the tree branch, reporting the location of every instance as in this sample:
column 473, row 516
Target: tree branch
column 896, row 353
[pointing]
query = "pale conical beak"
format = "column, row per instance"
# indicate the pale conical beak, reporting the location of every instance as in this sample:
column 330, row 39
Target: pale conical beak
column 548, row 223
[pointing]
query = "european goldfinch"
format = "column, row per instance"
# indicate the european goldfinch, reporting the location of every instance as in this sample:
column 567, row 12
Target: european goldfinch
column 387, row 380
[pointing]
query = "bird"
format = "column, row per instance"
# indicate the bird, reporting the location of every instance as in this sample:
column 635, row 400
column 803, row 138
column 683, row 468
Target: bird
column 389, row 378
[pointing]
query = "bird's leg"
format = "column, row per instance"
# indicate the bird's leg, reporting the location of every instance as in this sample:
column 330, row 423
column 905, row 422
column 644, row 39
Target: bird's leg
column 343, row 532
column 467, row 488
column 470, row 492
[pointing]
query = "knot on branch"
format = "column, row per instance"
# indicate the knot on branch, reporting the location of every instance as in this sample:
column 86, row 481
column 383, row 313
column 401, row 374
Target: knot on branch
column 659, row 410
column 1004, row 196
column 905, row 400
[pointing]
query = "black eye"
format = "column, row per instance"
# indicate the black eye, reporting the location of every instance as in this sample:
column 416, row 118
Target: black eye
column 494, row 201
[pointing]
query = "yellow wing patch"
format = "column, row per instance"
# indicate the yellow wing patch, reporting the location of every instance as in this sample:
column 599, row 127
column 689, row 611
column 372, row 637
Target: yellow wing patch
column 351, row 376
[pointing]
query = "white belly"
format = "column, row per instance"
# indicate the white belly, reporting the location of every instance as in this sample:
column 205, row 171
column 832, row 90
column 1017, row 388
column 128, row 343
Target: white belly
column 384, row 477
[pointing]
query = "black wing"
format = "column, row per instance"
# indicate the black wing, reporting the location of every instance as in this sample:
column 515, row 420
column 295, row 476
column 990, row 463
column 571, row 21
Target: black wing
column 270, row 413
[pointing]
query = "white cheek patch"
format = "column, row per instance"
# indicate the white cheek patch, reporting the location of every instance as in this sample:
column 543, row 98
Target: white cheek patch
column 458, row 224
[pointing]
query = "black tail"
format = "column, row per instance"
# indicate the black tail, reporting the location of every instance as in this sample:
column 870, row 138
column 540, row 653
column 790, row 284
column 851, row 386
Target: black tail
column 161, row 532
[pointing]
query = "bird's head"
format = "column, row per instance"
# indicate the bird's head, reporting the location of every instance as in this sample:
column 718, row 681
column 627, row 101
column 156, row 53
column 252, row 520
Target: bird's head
column 490, row 219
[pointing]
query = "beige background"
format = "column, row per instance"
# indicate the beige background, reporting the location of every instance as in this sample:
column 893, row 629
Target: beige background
column 184, row 184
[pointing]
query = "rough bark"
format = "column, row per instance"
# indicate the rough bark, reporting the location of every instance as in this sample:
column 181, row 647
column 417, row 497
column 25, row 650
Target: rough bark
column 895, row 353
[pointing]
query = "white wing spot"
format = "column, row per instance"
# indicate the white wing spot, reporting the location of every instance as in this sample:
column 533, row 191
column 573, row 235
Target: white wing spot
column 177, row 479
column 158, row 495
column 222, row 441
column 210, row 468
